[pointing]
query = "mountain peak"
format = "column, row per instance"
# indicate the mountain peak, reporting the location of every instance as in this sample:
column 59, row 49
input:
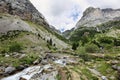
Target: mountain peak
column 90, row 10
column 95, row 16
column 24, row 9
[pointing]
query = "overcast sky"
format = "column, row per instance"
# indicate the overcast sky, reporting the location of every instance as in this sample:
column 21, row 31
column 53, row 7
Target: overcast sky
column 64, row 14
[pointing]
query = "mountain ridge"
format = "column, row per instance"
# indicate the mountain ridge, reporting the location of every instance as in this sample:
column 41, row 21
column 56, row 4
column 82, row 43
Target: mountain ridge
column 96, row 16
column 24, row 9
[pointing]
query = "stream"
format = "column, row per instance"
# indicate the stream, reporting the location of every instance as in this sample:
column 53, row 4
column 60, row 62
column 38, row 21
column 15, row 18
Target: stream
column 33, row 72
column 41, row 72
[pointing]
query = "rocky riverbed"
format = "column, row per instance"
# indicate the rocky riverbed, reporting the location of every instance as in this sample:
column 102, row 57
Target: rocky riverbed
column 47, row 69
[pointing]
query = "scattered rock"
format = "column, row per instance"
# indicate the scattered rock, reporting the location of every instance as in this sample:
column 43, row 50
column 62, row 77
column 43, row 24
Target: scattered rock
column 103, row 78
column 118, row 68
column 7, row 55
column 2, row 69
column 21, row 78
column 44, row 62
column 48, row 56
column 112, row 78
column 16, row 55
column 37, row 61
column 22, row 56
column 21, row 67
column 114, row 62
column 114, row 67
column 9, row 70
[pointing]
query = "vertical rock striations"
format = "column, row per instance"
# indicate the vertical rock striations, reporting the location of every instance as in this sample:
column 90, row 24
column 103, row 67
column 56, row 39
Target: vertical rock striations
column 24, row 9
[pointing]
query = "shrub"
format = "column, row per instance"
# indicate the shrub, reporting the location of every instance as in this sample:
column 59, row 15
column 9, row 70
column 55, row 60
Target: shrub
column 81, row 50
column 15, row 47
column 108, row 46
column 106, row 40
column 29, row 58
column 117, row 42
column 75, row 45
column 91, row 48
column 51, row 42
column 85, row 57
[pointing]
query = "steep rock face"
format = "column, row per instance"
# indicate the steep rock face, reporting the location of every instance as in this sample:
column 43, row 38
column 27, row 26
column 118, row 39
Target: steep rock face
column 24, row 9
column 21, row 15
column 95, row 16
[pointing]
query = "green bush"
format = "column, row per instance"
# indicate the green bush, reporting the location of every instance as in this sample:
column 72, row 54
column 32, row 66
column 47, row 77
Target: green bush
column 117, row 42
column 75, row 45
column 108, row 46
column 85, row 57
column 91, row 48
column 15, row 47
column 81, row 50
column 29, row 58
column 106, row 40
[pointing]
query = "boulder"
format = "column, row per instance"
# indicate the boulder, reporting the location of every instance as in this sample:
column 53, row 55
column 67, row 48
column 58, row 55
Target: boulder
column 2, row 69
column 118, row 68
column 103, row 78
column 7, row 55
column 21, row 67
column 21, row 78
column 10, row 70
column 114, row 67
column 37, row 61
column 114, row 62
column 22, row 56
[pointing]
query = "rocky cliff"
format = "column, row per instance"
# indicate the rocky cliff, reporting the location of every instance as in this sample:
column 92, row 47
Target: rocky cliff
column 24, row 9
column 95, row 16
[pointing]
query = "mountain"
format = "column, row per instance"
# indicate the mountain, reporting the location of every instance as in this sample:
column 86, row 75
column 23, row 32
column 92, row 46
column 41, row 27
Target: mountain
column 95, row 20
column 66, row 34
column 96, row 16
column 20, row 15
column 25, row 35
column 31, row 49
column 24, row 9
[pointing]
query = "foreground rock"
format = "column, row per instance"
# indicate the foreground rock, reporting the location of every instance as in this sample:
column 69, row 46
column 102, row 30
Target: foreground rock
column 9, row 70
column 118, row 69
column 33, row 73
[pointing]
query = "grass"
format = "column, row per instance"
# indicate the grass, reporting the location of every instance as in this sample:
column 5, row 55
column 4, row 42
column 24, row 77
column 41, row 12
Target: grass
column 19, row 44
column 84, row 72
column 16, row 62
column 29, row 58
column 104, row 68
column 58, row 77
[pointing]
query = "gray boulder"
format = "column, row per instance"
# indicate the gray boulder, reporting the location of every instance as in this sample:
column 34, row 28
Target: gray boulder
column 10, row 70
column 114, row 67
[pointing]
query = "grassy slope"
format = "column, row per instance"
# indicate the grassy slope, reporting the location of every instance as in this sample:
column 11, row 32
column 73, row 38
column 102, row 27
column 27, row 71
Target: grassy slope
column 30, row 42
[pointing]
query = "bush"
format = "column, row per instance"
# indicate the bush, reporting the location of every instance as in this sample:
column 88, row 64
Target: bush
column 75, row 45
column 29, row 59
column 15, row 47
column 81, row 50
column 108, row 46
column 117, row 42
column 91, row 48
column 106, row 40
column 85, row 57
